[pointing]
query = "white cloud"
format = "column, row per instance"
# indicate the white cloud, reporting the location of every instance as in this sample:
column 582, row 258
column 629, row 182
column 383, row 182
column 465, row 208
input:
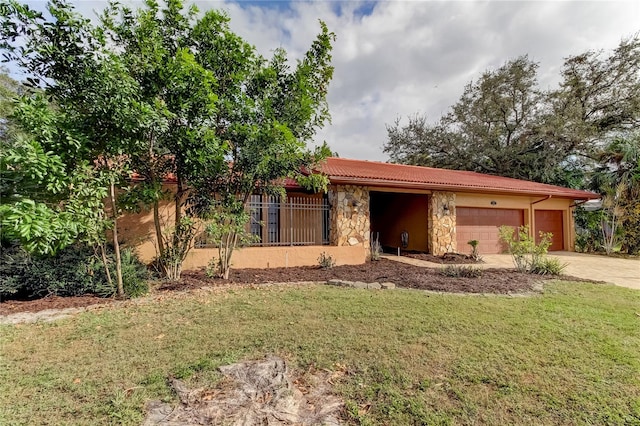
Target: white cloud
column 416, row 56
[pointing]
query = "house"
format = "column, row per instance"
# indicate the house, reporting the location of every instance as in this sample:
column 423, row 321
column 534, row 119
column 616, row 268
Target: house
column 408, row 207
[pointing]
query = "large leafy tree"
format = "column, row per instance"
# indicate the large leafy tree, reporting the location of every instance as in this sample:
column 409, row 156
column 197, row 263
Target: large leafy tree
column 237, row 122
column 504, row 125
column 170, row 96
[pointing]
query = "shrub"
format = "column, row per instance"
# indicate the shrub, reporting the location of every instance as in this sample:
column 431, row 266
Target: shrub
column 326, row 261
column 135, row 274
column 460, row 271
column 475, row 253
column 527, row 255
column 548, row 266
column 73, row 271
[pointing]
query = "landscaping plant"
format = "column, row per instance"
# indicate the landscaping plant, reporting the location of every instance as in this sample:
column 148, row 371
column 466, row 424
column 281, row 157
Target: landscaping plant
column 528, row 256
column 326, row 261
column 475, row 253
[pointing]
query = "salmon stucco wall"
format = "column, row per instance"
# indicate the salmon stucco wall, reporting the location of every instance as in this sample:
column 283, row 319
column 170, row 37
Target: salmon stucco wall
column 278, row 257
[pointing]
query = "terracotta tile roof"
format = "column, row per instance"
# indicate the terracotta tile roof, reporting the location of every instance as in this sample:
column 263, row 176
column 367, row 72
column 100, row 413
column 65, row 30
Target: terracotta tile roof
column 373, row 173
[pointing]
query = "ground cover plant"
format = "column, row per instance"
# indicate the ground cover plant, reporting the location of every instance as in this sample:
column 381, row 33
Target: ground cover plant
column 568, row 356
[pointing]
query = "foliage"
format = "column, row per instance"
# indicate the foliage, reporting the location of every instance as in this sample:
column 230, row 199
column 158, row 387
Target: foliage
column 475, row 252
column 460, row 271
column 588, row 229
column 47, row 204
column 376, row 247
column 223, row 227
column 618, row 179
column 10, row 90
column 503, row 124
column 73, row 271
column 234, row 123
column 527, row 255
column 548, row 266
column 326, row 261
column 135, row 275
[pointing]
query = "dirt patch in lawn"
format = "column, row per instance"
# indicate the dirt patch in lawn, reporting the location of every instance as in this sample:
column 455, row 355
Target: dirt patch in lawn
column 262, row 392
column 498, row 281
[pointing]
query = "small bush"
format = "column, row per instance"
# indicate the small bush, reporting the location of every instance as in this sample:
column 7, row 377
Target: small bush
column 548, row 266
column 73, row 271
column 213, row 268
column 523, row 248
column 135, row 274
column 460, row 271
column 326, row 261
column 475, row 252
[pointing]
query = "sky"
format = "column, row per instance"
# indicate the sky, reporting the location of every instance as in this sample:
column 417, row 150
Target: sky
column 394, row 59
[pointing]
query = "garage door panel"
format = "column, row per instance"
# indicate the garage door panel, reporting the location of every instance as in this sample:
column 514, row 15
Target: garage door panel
column 550, row 221
column 482, row 224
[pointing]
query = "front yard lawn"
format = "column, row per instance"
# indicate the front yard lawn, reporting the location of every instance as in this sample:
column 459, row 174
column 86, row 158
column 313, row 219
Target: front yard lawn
column 568, row 356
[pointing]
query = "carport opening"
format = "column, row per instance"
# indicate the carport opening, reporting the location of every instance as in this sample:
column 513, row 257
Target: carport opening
column 394, row 214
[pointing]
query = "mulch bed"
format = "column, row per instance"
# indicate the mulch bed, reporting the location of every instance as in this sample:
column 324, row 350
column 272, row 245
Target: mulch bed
column 498, row 281
column 448, row 258
column 52, row 302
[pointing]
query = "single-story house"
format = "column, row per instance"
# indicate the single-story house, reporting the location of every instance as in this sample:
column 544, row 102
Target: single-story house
column 408, row 207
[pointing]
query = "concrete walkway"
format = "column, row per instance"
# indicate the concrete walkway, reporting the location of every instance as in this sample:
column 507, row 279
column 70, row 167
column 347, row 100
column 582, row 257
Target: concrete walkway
column 618, row 271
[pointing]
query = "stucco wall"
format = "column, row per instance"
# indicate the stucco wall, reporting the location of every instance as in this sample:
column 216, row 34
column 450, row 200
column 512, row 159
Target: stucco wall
column 278, row 257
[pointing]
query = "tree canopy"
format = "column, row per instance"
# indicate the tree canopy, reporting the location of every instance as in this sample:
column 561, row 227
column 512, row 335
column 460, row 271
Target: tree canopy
column 171, row 95
column 504, row 124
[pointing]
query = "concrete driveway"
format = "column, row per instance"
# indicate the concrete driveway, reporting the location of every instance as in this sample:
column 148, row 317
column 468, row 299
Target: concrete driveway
column 618, row 271
column 614, row 270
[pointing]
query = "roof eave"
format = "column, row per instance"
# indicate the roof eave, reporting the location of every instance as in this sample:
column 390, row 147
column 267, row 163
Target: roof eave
column 455, row 188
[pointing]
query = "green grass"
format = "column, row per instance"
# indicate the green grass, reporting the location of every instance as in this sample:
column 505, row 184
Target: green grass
column 570, row 356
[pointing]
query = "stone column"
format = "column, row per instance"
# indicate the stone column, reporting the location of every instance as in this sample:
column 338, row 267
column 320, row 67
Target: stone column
column 350, row 217
column 442, row 223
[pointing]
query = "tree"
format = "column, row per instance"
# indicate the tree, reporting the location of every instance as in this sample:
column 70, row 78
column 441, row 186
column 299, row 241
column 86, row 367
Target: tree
column 618, row 178
column 169, row 96
column 237, row 123
column 91, row 124
column 492, row 129
column 10, row 90
column 504, row 125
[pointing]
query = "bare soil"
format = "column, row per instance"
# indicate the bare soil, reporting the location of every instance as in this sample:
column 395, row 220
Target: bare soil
column 498, row 281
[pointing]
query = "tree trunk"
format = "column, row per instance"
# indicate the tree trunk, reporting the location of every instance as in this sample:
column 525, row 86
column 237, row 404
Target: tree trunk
column 105, row 262
column 116, row 244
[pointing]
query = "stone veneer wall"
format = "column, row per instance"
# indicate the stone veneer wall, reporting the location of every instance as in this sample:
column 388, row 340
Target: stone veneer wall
column 350, row 217
column 442, row 225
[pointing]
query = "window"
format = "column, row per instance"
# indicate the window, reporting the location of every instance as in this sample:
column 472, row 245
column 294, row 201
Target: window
column 299, row 220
